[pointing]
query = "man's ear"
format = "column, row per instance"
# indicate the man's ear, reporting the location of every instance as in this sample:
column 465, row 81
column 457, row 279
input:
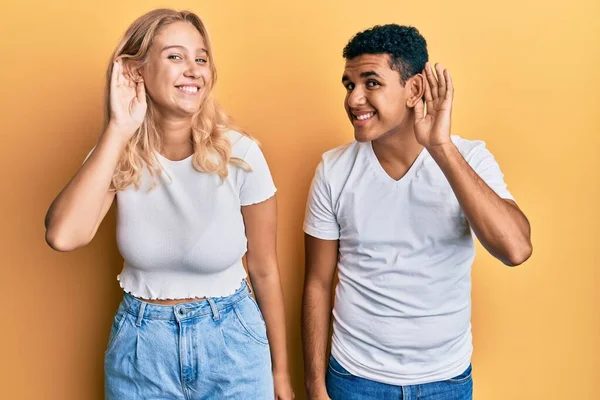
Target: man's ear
column 415, row 86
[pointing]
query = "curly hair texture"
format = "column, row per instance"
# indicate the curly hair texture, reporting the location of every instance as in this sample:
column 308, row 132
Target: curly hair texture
column 406, row 47
column 212, row 149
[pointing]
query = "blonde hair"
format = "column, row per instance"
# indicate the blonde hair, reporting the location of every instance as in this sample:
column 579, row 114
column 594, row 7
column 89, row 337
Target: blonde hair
column 212, row 149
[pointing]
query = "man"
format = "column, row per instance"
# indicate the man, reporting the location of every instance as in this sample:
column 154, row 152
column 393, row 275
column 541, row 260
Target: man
column 394, row 211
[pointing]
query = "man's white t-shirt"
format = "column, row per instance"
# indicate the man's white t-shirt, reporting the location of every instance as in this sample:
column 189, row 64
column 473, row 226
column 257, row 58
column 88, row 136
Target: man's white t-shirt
column 403, row 302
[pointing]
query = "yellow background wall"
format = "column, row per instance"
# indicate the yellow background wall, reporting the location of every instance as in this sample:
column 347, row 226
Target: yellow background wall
column 526, row 77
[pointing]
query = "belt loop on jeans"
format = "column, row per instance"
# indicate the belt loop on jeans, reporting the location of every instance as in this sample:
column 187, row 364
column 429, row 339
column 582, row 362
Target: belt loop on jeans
column 213, row 307
column 141, row 314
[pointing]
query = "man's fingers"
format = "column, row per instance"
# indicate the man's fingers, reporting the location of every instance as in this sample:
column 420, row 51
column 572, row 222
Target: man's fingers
column 449, row 85
column 432, row 86
column 419, row 111
column 441, row 80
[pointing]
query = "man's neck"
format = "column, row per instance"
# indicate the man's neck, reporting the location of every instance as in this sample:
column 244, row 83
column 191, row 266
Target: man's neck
column 397, row 151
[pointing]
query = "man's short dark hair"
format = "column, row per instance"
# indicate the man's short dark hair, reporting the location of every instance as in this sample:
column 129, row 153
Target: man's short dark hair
column 404, row 44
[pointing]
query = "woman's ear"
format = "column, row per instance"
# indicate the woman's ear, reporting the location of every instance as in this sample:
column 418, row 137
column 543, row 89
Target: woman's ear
column 133, row 70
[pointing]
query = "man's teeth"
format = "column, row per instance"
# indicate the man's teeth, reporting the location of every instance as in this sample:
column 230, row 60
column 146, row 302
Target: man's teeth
column 188, row 89
column 362, row 117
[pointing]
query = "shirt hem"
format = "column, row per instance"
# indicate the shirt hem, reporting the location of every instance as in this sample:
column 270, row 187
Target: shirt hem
column 188, row 296
column 448, row 372
column 260, row 200
column 320, row 234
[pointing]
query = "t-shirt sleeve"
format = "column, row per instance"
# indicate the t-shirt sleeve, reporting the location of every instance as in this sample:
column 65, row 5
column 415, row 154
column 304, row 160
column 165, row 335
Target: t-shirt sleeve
column 484, row 164
column 257, row 184
column 320, row 220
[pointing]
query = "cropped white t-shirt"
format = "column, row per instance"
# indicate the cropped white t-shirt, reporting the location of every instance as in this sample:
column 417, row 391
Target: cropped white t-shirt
column 185, row 238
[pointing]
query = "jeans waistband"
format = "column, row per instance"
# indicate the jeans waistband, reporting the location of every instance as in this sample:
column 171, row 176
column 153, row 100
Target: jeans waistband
column 211, row 305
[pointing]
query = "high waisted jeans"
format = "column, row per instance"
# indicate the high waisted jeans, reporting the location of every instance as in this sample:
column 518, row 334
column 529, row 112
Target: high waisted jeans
column 215, row 348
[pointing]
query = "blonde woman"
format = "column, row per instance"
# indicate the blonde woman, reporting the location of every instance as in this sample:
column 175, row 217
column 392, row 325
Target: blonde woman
column 193, row 196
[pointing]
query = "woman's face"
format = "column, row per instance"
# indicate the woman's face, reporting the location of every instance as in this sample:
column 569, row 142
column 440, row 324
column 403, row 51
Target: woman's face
column 177, row 73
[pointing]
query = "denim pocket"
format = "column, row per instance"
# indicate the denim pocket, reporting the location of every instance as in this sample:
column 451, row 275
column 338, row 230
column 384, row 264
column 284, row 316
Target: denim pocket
column 116, row 329
column 249, row 315
column 336, row 368
column 462, row 378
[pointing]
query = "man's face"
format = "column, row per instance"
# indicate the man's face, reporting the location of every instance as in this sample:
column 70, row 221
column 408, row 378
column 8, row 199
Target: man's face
column 375, row 99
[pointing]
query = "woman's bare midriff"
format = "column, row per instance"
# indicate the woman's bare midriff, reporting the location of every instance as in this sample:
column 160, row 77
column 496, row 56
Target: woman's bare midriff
column 172, row 302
